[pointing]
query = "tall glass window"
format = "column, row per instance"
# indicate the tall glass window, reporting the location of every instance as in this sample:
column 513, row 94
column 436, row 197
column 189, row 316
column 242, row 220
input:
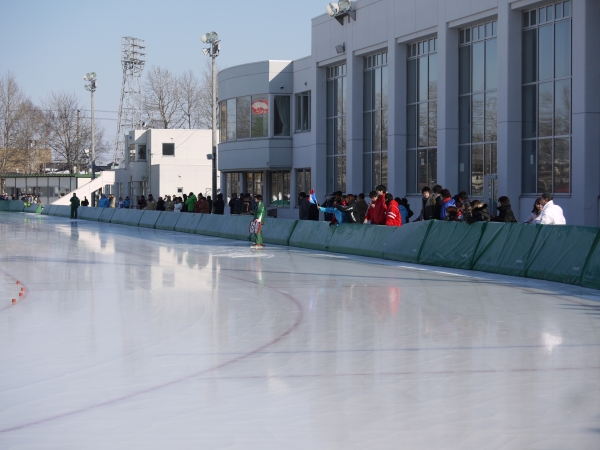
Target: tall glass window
column 336, row 128
column 421, row 115
column 233, row 184
column 248, row 117
column 478, row 107
column 375, row 122
column 303, row 182
column 546, row 104
column 303, row 111
column 280, row 188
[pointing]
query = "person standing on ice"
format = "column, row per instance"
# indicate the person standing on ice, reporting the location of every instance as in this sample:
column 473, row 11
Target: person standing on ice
column 259, row 216
column 74, row 206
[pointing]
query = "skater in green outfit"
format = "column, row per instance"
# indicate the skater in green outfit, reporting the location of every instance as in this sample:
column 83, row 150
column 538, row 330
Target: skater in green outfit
column 74, row 206
column 259, row 216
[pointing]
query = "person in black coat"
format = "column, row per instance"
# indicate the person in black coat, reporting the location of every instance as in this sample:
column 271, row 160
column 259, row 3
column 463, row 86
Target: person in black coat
column 505, row 212
column 479, row 212
column 304, row 206
column 219, row 205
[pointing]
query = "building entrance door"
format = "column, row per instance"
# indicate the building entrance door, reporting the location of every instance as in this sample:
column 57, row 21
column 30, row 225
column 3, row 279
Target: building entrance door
column 490, row 193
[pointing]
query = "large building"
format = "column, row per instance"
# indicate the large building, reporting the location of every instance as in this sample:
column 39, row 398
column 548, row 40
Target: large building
column 491, row 97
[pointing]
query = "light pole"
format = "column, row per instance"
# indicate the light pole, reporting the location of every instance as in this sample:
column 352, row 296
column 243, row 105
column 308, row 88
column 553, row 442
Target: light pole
column 212, row 38
column 91, row 78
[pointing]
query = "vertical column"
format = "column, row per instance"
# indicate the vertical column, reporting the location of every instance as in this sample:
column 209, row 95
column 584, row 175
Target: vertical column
column 447, row 168
column 509, row 106
column 354, row 123
column 585, row 113
column 319, row 112
column 397, row 118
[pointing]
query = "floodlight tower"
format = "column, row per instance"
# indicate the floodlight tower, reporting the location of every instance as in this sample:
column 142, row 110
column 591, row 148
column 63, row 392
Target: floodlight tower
column 91, row 86
column 133, row 59
column 212, row 38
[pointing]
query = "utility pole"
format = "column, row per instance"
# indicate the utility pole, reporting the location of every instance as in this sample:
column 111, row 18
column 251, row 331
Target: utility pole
column 91, row 78
column 212, row 38
column 78, row 159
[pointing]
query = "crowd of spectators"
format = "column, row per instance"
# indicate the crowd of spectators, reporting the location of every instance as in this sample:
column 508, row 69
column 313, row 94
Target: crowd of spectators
column 174, row 203
column 437, row 204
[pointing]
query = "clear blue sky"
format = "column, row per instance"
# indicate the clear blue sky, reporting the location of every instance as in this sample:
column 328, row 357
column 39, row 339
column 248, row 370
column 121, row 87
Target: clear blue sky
column 49, row 45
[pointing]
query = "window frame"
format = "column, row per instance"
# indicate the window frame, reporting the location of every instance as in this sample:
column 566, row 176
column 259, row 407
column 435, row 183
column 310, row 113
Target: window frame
column 301, row 113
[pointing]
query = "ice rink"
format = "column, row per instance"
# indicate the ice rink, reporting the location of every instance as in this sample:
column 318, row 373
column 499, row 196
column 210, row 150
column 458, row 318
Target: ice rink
column 136, row 338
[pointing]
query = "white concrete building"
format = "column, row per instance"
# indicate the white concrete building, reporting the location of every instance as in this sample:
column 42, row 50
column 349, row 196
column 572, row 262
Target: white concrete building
column 166, row 162
column 491, row 97
column 160, row 162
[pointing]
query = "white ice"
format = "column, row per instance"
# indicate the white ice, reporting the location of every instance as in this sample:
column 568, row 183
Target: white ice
column 135, row 338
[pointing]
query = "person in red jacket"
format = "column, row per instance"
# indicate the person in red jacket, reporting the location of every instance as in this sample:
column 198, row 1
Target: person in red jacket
column 370, row 216
column 380, row 206
column 393, row 217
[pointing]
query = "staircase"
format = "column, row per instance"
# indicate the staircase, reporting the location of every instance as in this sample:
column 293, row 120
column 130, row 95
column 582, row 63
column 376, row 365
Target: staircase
column 104, row 178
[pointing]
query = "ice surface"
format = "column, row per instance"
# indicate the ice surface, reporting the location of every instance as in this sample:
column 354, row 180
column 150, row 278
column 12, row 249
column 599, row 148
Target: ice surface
column 138, row 338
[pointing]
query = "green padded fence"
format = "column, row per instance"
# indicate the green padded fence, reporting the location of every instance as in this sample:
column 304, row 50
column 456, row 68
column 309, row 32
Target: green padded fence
column 62, row 211
column 560, row 253
column 506, row 248
column 188, row 222
column 34, row 208
column 451, row 244
column 211, row 225
column 167, row 221
column 16, row 206
column 311, row 234
column 406, row 242
column 236, row 227
column 119, row 216
column 132, row 217
column 277, row 231
column 359, row 239
column 47, row 209
column 106, row 215
column 84, row 212
column 591, row 273
column 149, row 219
column 4, row 205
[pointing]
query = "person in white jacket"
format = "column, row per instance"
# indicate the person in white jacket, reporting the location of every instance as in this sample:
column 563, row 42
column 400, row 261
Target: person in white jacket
column 551, row 214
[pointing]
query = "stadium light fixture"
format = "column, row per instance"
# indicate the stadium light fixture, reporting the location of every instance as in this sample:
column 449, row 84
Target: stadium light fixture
column 340, row 10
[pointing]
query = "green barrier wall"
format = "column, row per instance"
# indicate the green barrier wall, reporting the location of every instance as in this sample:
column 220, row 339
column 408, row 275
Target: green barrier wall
column 4, row 204
column 211, row 225
column 62, row 211
column 16, row 206
column 35, row 208
column 149, row 219
column 167, row 221
column 311, row 234
column 591, row 273
column 277, row 231
column 406, row 242
column 187, row 222
column 106, row 215
column 132, row 217
column 561, row 252
column 122, row 215
column 506, row 248
column 236, row 227
column 96, row 212
column 362, row 240
column 83, row 212
column 451, row 244
column 49, row 210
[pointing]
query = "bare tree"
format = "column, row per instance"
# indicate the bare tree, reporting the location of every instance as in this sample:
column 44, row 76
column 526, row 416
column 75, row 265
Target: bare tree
column 205, row 99
column 189, row 89
column 29, row 138
column 11, row 99
column 67, row 136
column 161, row 98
